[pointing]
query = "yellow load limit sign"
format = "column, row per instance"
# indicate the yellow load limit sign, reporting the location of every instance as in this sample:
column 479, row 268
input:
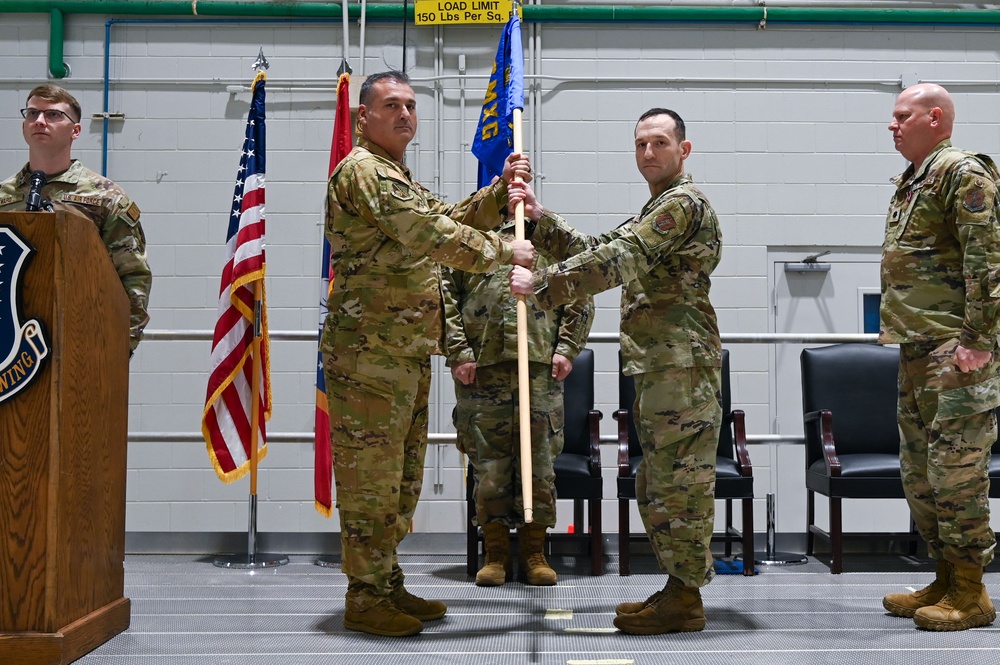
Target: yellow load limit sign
column 438, row 12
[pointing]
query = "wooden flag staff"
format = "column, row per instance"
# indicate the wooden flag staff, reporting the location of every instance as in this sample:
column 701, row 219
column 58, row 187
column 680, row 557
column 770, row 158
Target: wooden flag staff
column 523, row 389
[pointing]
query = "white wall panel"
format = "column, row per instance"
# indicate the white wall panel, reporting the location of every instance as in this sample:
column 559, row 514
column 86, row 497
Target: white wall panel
column 803, row 164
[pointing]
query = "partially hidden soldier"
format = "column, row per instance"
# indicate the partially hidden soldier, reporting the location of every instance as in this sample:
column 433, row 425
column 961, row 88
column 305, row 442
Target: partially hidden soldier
column 670, row 344
column 941, row 304
column 481, row 323
column 388, row 237
column 51, row 124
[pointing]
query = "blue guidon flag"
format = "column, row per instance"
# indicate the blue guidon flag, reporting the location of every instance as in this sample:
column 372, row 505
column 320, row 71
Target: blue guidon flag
column 22, row 345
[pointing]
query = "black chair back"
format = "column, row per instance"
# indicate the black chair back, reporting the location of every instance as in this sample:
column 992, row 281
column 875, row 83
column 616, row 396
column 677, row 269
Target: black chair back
column 858, row 384
column 578, row 400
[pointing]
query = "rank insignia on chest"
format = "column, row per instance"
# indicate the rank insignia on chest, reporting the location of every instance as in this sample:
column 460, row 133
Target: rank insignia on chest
column 665, row 223
column 975, row 200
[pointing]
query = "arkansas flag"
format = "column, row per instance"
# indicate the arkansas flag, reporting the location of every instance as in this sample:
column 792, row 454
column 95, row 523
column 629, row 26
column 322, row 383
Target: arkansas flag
column 323, row 462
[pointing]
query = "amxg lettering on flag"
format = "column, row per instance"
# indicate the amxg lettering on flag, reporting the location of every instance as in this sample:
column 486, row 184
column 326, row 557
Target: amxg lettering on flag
column 494, row 139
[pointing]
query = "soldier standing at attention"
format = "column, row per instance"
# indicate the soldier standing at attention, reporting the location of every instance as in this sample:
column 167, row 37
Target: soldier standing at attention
column 51, row 124
column 940, row 297
column 388, row 236
column 481, row 325
column 670, row 344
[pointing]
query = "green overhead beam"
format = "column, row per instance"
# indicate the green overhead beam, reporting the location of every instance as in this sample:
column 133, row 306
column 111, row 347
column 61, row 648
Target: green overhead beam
column 565, row 13
column 532, row 13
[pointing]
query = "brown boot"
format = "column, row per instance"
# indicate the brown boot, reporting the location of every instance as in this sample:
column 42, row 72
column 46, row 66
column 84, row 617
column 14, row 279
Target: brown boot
column 368, row 613
column 531, row 556
column 677, row 609
column 425, row 610
column 966, row 605
column 497, row 568
column 906, row 604
column 632, row 608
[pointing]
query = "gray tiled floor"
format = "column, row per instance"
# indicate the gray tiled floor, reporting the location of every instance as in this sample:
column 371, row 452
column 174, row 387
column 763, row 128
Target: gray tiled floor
column 185, row 611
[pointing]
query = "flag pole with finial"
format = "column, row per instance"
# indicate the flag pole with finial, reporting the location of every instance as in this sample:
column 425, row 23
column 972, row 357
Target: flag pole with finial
column 523, row 385
column 254, row 559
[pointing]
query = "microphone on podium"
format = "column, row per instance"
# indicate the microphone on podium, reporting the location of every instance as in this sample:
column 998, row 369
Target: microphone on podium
column 34, row 203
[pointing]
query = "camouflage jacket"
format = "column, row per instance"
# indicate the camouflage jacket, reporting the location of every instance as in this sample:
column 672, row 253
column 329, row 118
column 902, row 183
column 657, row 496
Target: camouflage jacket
column 481, row 318
column 941, row 255
column 387, row 237
column 81, row 191
column 664, row 258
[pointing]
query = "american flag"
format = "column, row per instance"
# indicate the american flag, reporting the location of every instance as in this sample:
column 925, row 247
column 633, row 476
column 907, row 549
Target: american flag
column 323, row 457
column 227, row 421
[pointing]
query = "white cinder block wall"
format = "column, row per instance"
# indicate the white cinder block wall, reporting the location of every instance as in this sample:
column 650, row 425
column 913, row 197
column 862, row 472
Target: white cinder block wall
column 790, row 143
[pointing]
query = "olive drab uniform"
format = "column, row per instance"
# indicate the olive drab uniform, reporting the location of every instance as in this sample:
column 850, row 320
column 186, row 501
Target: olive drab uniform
column 941, row 289
column 670, row 344
column 80, row 191
column 387, row 234
column 481, row 326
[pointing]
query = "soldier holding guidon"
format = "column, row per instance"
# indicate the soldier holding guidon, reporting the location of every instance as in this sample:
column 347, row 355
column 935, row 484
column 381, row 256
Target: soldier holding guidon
column 670, row 345
column 388, row 236
column 482, row 353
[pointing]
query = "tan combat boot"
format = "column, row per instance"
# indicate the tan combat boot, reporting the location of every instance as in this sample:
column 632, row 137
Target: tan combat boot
column 497, row 568
column 907, row 604
column 531, row 556
column 632, row 608
column 966, row 605
column 677, row 609
column 425, row 610
column 368, row 613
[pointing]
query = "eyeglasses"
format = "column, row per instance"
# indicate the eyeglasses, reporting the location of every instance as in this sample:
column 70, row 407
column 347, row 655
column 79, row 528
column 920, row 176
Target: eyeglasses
column 51, row 115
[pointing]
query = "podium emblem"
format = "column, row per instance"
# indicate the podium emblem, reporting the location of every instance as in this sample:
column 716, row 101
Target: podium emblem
column 22, row 345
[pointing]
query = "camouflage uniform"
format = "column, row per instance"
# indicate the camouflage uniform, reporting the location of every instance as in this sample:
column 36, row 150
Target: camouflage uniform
column 670, row 344
column 940, row 289
column 387, row 234
column 481, row 327
column 81, row 191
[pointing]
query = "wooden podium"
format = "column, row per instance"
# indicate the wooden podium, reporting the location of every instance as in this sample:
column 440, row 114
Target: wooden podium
column 62, row 452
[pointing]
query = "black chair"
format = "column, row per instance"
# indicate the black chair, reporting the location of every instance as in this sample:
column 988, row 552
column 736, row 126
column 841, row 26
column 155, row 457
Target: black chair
column 578, row 467
column 733, row 471
column 849, row 396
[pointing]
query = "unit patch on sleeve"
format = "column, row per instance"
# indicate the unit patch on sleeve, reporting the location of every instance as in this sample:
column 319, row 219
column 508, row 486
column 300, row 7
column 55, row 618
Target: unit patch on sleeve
column 975, row 198
column 665, row 223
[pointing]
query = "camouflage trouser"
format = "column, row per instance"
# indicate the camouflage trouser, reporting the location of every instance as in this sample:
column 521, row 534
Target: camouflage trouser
column 486, row 419
column 947, row 426
column 378, row 431
column 678, row 416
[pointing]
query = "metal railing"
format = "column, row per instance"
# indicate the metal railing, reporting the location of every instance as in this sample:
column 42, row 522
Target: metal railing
column 449, row 437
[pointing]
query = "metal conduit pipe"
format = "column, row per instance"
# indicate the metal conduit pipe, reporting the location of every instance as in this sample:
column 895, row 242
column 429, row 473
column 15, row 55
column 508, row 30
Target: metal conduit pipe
column 57, row 38
column 759, row 15
column 593, row 338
